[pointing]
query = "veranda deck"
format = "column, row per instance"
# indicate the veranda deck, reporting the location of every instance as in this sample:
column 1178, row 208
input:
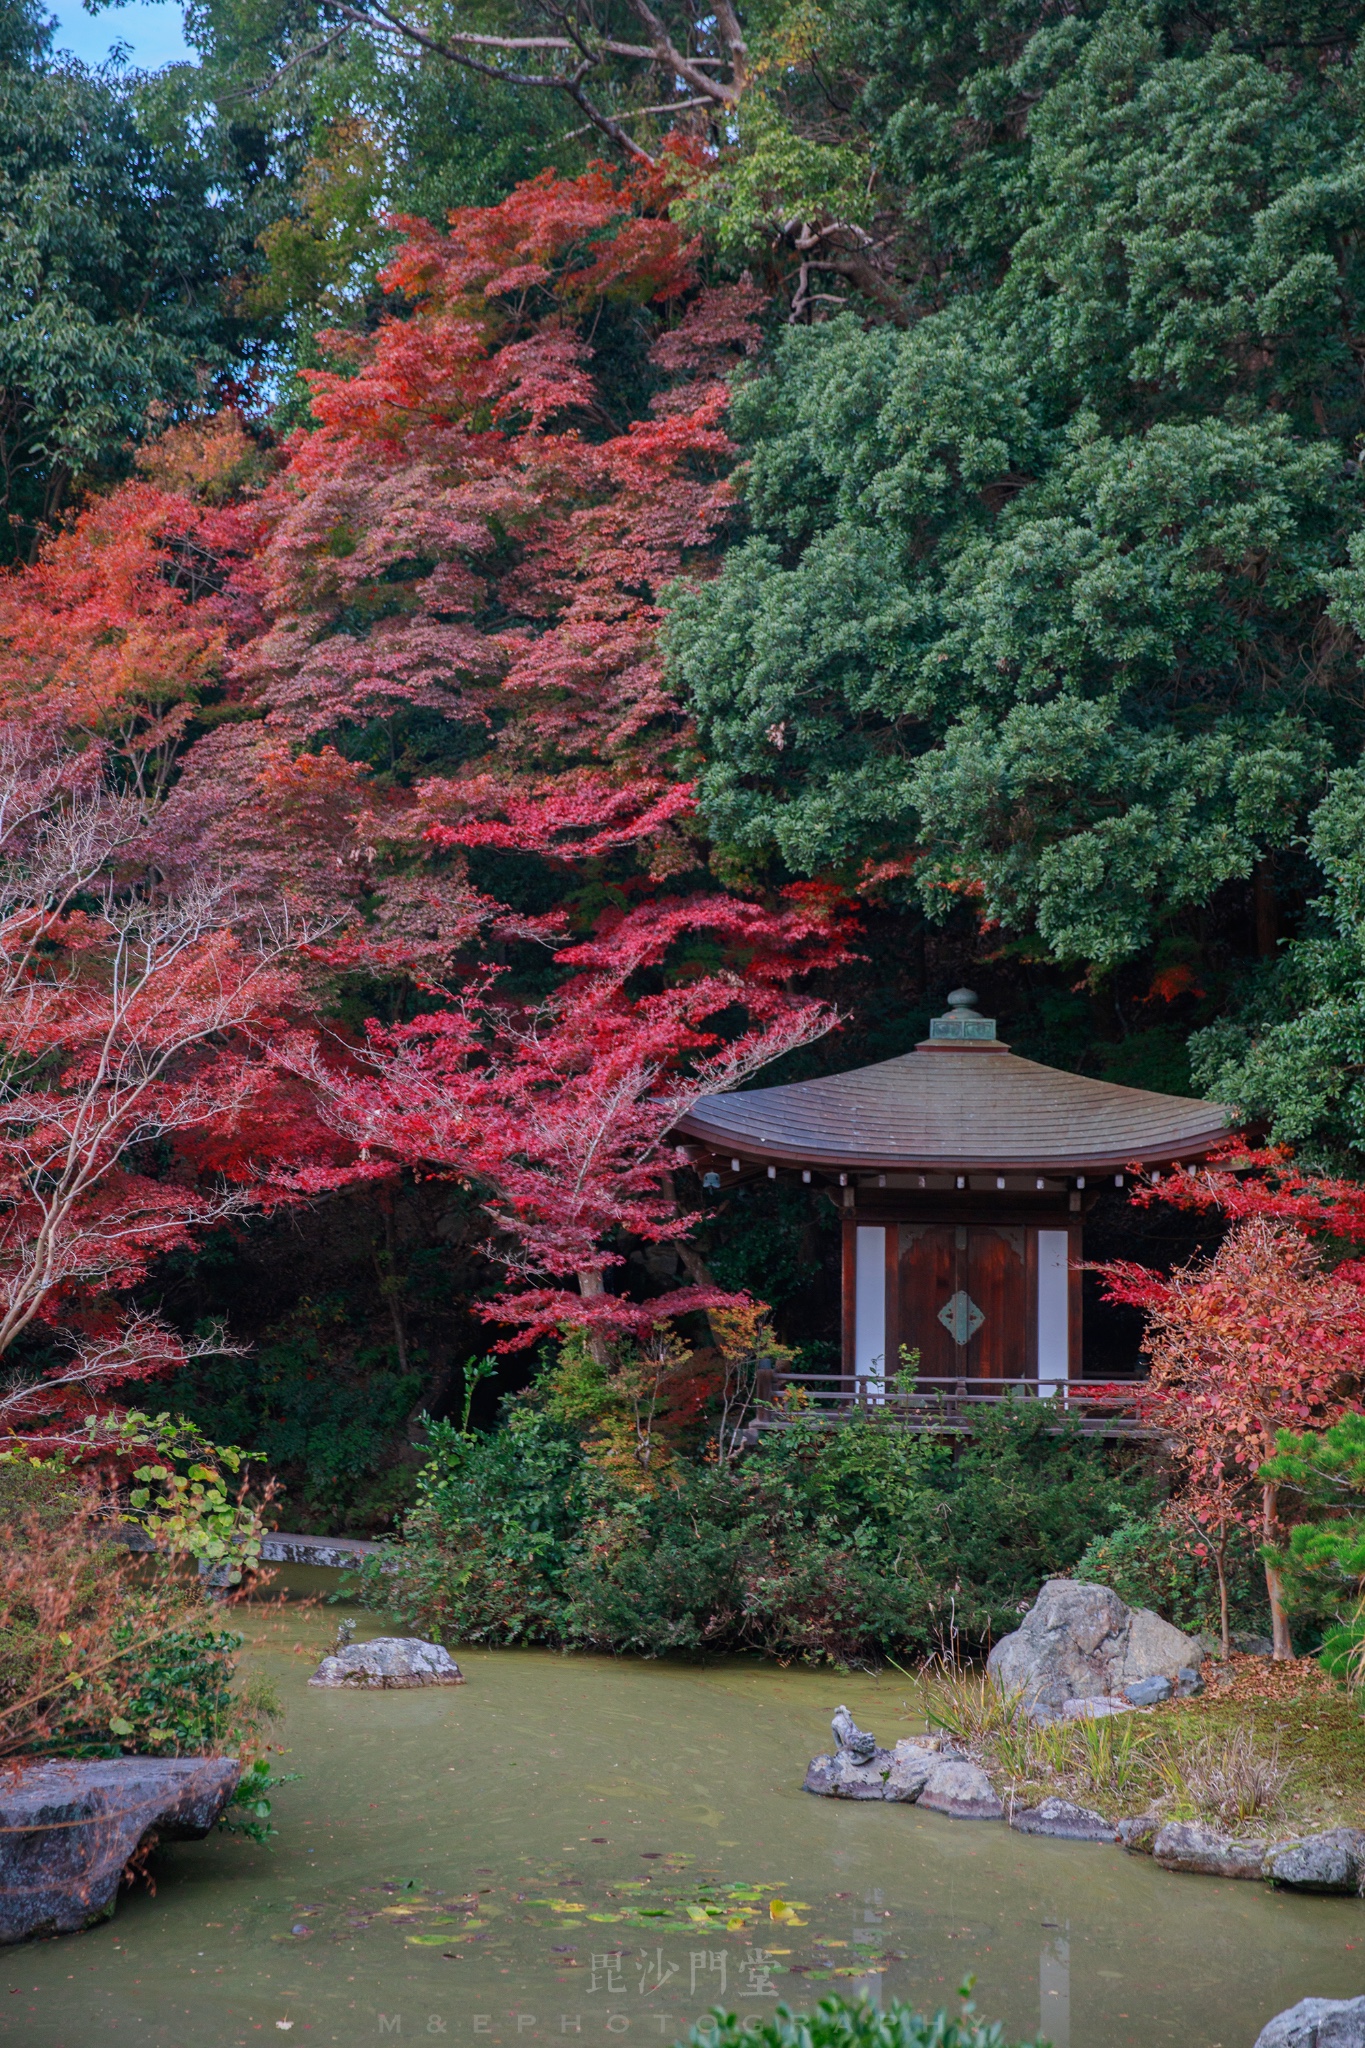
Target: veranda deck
column 942, row 1407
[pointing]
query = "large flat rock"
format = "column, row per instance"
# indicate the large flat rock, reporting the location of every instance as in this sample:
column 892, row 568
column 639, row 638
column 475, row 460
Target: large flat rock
column 912, row 1765
column 962, row 1791
column 1068, row 1822
column 68, row 1829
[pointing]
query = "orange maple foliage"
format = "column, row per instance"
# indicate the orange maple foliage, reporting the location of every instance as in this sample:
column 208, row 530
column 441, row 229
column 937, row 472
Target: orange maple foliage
column 1257, row 1339
column 470, row 543
column 124, row 625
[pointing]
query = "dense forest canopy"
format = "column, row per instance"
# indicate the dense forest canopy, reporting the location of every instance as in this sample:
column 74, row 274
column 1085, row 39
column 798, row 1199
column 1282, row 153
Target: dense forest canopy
column 656, row 532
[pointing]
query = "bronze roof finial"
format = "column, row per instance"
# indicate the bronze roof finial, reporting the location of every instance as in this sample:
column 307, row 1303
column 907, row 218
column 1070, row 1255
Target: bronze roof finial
column 962, row 1021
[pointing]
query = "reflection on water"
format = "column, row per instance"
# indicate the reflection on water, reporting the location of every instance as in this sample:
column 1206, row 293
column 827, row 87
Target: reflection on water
column 577, row 1850
column 1054, row 1992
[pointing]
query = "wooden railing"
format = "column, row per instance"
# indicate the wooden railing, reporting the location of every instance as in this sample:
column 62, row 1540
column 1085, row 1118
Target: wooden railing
column 939, row 1405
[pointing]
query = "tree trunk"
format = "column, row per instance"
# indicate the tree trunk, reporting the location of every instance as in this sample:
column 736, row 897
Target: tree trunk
column 1225, row 1639
column 591, row 1282
column 693, row 1264
column 1282, row 1647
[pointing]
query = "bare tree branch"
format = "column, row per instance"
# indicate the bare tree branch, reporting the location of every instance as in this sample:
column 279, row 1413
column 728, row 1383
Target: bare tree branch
column 382, row 22
column 666, row 53
column 638, row 114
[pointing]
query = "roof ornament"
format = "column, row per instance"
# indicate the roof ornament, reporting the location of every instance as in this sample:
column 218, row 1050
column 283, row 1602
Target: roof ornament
column 961, row 1020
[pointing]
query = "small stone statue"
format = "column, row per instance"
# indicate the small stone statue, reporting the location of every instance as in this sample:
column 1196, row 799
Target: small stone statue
column 853, row 1740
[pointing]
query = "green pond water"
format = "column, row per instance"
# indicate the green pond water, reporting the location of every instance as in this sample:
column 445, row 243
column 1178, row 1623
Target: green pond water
column 582, row 1851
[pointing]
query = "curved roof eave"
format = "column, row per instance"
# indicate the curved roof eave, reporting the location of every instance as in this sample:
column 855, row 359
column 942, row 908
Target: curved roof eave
column 963, row 1160
column 948, row 1109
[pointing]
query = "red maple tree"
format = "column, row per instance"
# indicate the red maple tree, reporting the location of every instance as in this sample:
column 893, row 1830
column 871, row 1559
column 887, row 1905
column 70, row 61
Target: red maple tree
column 427, row 644
column 468, row 458
column 560, row 1111
column 133, row 1020
column 1256, row 1339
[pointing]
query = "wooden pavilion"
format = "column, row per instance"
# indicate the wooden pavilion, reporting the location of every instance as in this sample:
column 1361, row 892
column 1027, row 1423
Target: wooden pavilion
column 963, row 1175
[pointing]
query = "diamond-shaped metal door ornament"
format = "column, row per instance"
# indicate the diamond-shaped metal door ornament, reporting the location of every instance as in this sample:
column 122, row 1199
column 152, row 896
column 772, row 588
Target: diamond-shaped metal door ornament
column 961, row 1317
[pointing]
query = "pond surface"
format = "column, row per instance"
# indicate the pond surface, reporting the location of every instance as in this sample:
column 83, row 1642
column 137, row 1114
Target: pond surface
column 582, row 1851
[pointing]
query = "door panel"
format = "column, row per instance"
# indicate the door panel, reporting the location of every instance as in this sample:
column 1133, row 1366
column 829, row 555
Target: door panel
column 928, row 1278
column 963, row 1300
column 996, row 1283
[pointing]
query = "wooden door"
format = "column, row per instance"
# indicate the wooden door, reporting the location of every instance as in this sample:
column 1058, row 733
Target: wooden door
column 928, row 1278
column 996, row 1281
column 964, row 1300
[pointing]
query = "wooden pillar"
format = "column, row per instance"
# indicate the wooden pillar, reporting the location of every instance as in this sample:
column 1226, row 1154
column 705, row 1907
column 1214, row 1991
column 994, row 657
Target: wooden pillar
column 1075, row 1256
column 849, row 1305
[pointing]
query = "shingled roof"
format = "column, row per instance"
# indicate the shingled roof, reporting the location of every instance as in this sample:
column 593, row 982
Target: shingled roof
column 960, row 1100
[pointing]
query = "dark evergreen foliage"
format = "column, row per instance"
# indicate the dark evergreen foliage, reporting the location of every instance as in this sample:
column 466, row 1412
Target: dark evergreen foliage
column 845, row 1545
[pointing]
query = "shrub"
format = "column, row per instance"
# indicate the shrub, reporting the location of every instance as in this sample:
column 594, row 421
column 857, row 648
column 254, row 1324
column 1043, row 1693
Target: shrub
column 836, row 2023
column 1151, row 1562
column 845, row 1544
column 1228, row 1778
column 488, row 1542
column 104, row 1650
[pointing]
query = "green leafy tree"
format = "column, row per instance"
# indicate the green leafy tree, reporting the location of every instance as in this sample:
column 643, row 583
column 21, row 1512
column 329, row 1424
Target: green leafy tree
column 1293, row 1053
column 120, row 231
column 1045, row 604
column 1324, row 1558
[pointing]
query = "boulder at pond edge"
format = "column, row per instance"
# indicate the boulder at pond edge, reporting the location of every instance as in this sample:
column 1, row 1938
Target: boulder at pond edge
column 68, row 1829
column 962, row 1791
column 388, row 1661
column 1059, row 1817
column 1184, row 1845
column 912, row 1764
column 1333, row 1861
column 1317, row 2023
column 1080, row 1642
